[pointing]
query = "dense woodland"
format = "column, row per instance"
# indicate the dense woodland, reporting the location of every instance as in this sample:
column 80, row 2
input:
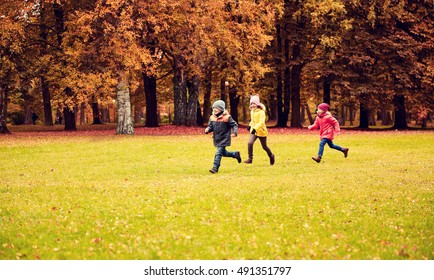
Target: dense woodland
column 134, row 61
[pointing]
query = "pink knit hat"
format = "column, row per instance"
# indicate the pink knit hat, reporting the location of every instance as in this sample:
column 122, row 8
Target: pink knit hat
column 255, row 99
column 324, row 106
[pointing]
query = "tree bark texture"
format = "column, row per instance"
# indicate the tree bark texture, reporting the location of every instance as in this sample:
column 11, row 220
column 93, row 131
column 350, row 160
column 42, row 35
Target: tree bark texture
column 125, row 119
column 234, row 100
column 3, row 110
column 223, row 90
column 400, row 113
column 46, row 98
column 193, row 96
column 295, row 89
column 69, row 114
column 199, row 115
column 364, row 112
column 150, row 84
column 279, row 78
column 284, row 115
column 82, row 113
column 309, row 114
column 326, row 90
column 180, row 96
column 246, row 112
column 207, row 95
column 96, row 113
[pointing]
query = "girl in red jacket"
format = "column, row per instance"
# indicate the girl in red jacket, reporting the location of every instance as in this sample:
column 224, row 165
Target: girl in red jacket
column 328, row 126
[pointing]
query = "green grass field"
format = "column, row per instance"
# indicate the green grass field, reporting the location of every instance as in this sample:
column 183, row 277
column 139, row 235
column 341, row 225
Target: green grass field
column 78, row 196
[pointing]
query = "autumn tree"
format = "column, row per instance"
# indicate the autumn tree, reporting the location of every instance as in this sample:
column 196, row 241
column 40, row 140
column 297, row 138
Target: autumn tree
column 12, row 37
column 312, row 31
column 109, row 36
column 382, row 53
column 251, row 25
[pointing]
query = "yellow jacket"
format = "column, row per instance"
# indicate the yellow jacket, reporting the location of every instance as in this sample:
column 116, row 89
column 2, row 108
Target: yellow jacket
column 257, row 122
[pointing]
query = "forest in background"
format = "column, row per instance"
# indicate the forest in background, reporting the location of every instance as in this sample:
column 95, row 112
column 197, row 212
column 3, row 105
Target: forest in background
column 134, row 61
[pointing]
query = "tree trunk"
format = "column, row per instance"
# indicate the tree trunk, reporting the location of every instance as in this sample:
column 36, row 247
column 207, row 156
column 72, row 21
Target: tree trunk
column 82, row 113
column 309, row 114
column 223, row 90
column 400, row 113
column 343, row 114
column 125, row 119
column 295, row 89
column 27, row 104
column 27, row 114
column 271, row 107
column 372, row 120
column 283, row 118
column 46, row 99
column 69, row 114
column 246, row 112
column 207, row 95
column 105, row 114
column 138, row 113
column 295, row 97
column 302, row 114
column 424, row 123
column 193, row 97
column 96, row 113
column 326, row 90
column 364, row 113
column 3, row 110
column 351, row 114
column 234, row 101
column 279, row 79
column 180, row 96
column 199, row 115
column 150, row 84
column 60, row 22
column 385, row 120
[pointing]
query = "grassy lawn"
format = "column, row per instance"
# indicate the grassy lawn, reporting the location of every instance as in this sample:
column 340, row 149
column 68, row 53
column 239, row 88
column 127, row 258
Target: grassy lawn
column 80, row 196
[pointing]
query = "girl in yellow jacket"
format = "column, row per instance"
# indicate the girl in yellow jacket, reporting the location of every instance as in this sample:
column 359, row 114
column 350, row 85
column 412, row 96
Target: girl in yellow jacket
column 258, row 129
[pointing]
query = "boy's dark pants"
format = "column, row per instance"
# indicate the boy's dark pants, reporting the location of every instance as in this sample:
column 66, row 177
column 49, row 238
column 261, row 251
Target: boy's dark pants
column 221, row 152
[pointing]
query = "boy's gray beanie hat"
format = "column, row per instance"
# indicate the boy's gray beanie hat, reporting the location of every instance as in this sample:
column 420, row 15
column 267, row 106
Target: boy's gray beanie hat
column 219, row 104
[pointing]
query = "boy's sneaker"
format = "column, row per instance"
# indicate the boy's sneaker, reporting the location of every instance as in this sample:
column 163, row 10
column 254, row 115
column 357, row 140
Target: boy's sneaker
column 272, row 159
column 345, row 151
column 213, row 171
column 248, row 161
column 317, row 159
column 238, row 156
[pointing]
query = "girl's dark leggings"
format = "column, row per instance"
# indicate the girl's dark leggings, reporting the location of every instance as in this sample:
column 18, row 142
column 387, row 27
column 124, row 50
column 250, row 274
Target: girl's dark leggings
column 263, row 141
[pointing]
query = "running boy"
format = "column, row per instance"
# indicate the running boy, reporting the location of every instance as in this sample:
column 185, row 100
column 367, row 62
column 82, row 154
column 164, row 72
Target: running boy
column 223, row 126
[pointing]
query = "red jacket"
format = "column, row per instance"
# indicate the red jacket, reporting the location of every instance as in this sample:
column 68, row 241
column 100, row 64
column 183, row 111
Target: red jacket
column 327, row 124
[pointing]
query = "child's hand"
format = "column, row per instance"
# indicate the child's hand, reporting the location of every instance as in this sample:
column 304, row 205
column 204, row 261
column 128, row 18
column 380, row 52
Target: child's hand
column 309, row 127
column 233, row 135
column 206, row 131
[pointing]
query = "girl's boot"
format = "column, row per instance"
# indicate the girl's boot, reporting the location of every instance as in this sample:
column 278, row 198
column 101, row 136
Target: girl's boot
column 249, row 160
column 272, row 159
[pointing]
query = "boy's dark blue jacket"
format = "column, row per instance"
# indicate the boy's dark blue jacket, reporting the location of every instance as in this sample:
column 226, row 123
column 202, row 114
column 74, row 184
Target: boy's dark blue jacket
column 222, row 127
